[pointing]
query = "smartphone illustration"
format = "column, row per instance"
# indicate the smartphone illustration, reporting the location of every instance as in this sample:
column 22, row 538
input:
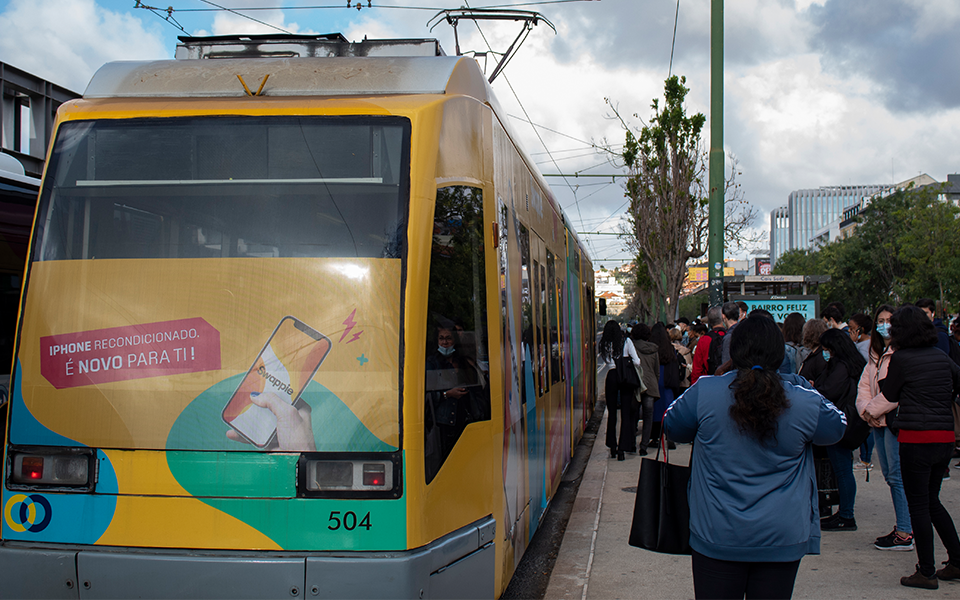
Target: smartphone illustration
column 284, row 367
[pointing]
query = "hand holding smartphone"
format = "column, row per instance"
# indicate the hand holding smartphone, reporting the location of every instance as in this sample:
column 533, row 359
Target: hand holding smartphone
column 274, row 383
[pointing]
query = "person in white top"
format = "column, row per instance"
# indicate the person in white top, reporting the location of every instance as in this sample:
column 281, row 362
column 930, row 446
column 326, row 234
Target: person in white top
column 614, row 344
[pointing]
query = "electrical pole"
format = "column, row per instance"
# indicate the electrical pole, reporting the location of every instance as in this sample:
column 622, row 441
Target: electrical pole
column 715, row 239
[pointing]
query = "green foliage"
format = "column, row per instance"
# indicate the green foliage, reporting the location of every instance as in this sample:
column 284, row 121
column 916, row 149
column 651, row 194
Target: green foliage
column 904, row 248
column 690, row 305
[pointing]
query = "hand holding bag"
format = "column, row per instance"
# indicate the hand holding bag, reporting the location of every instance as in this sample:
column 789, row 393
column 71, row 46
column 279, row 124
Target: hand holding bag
column 661, row 515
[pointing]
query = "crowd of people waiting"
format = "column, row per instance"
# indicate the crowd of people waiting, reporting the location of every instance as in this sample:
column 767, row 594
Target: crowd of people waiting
column 886, row 383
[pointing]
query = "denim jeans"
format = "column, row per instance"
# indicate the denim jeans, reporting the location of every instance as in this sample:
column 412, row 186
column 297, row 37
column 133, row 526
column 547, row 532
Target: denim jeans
column 888, row 455
column 922, row 467
column 866, row 448
column 841, row 460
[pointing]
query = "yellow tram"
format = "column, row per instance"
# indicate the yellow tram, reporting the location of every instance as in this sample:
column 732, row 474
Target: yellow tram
column 300, row 319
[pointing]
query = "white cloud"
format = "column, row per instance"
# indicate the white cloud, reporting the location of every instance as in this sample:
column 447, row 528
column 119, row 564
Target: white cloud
column 66, row 41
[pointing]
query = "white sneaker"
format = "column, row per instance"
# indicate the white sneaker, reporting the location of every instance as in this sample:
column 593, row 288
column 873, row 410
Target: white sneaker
column 861, row 466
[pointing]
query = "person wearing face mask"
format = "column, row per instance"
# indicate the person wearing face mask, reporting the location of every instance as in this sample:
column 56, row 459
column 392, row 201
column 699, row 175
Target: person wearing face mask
column 456, row 391
column 873, row 407
column 838, row 384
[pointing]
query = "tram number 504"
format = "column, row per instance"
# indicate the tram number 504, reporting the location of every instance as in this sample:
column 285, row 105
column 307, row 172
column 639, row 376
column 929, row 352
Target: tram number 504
column 348, row 521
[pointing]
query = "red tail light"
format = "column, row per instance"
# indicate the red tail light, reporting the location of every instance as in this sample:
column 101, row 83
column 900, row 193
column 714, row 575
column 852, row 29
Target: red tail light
column 374, row 474
column 32, row 467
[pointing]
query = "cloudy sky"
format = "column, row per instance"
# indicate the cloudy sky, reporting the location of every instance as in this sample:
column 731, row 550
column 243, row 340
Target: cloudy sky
column 817, row 92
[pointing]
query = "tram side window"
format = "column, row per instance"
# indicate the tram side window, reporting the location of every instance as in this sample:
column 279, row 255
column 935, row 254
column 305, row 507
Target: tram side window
column 526, row 304
column 554, row 321
column 544, row 329
column 457, row 363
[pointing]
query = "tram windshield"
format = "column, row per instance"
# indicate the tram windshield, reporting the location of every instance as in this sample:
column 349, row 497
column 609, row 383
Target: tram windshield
column 191, row 278
column 217, row 187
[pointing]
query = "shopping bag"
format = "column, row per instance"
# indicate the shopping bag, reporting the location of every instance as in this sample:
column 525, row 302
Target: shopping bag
column 661, row 514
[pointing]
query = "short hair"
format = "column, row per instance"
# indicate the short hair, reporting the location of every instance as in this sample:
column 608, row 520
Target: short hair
column 761, row 312
column 812, row 330
column 911, row 328
column 731, row 310
column 675, row 335
column 832, row 312
column 699, row 329
column 864, row 322
column 640, row 331
column 927, row 303
column 713, row 316
column 839, row 306
column 744, row 309
column 793, row 328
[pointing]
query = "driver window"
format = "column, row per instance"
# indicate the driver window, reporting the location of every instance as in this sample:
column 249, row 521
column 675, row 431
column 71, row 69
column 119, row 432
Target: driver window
column 457, row 364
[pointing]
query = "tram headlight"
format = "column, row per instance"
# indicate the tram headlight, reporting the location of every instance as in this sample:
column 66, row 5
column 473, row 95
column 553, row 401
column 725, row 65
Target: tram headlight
column 351, row 476
column 51, row 468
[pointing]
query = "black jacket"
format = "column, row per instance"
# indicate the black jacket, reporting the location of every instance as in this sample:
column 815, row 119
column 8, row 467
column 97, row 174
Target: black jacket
column 924, row 381
column 838, row 385
column 813, row 365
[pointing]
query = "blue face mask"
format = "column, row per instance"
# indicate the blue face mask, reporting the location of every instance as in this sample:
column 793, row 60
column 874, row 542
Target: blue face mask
column 883, row 329
column 445, row 351
column 826, row 355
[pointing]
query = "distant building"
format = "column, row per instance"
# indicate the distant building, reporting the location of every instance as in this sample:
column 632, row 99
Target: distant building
column 799, row 224
column 607, row 287
column 847, row 223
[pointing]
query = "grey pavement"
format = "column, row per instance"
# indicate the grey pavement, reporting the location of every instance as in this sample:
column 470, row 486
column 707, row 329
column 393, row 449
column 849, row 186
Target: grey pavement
column 595, row 561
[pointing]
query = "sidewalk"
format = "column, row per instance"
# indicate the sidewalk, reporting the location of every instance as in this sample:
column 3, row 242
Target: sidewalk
column 595, row 561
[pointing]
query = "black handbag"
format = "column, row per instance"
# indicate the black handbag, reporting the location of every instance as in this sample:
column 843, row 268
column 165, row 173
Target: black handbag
column 856, row 432
column 661, row 514
column 627, row 375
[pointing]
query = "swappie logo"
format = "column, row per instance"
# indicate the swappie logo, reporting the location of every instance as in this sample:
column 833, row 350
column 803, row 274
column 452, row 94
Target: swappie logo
column 21, row 513
column 274, row 381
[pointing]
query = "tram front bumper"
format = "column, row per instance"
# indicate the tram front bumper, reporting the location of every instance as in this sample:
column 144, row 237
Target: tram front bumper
column 458, row 565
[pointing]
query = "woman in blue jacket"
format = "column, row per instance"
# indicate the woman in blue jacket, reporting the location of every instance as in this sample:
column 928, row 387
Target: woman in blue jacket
column 752, row 464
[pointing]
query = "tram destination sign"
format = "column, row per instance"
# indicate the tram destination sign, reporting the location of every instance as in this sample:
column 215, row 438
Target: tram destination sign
column 781, row 306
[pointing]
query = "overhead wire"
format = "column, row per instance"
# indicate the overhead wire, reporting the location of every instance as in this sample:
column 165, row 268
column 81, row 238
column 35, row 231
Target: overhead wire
column 239, row 14
column 370, row 5
column 529, row 120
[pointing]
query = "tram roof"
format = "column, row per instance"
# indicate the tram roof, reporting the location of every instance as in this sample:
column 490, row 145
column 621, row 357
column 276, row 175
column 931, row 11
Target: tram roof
column 327, row 76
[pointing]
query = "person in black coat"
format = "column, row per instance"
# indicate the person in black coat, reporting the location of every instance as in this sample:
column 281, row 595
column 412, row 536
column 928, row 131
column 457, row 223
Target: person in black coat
column 838, row 384
column 924, row 382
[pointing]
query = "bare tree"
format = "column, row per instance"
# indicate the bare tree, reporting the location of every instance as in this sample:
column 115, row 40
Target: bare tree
column 668, row 209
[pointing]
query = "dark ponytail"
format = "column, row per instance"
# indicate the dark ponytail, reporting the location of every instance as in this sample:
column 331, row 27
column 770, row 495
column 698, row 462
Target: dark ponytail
column 757, row 350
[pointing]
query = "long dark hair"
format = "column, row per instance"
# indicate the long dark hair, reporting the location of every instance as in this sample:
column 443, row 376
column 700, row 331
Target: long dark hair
column 877, row 343
column 757, row 350
column 660, row 337
column 844, row 351
column 611, row 342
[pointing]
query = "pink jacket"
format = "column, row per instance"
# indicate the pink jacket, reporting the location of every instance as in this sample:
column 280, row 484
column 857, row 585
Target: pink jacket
column 869, row 399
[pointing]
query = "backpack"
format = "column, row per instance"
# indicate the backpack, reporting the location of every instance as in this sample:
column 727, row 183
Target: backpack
column 715, row 357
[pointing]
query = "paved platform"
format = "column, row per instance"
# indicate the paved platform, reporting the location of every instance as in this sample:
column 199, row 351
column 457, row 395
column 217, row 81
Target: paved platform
column 595, row 561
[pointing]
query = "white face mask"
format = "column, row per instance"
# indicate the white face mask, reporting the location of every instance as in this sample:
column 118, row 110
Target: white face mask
column 445, row 350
